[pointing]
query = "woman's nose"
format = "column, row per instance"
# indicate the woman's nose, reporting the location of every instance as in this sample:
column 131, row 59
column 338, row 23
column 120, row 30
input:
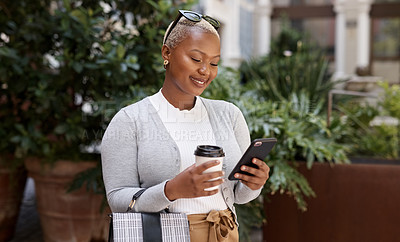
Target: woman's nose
column 204, row 70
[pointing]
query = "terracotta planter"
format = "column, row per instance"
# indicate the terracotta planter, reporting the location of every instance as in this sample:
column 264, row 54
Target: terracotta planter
column 354, row 203
column 12, row 186
column 74, row 216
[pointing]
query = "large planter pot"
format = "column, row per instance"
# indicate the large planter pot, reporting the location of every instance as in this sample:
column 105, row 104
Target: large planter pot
column 67, row 216
column 354, row 203
column 12, row 184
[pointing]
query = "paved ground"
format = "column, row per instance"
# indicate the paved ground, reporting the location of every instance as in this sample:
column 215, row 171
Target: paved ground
column 28, row 225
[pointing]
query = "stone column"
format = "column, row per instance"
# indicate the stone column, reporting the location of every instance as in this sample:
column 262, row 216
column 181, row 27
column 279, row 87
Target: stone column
column 352, row 37
column 263, row 42
column 363, row 34
column 340, row 39
column 232, row 38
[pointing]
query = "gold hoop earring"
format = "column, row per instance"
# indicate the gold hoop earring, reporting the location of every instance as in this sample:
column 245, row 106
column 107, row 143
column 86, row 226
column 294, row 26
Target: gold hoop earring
column 165, row 64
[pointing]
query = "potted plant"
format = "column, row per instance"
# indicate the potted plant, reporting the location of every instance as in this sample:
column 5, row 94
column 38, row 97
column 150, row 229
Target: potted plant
column 12, row 172
column 27, row 39
column 12, row 184
column 350, row 197
column 86, row 68
column 43, row 123
column 20, row 69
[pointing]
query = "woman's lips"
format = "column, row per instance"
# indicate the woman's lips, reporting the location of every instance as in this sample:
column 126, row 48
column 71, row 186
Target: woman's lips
column 198, row 81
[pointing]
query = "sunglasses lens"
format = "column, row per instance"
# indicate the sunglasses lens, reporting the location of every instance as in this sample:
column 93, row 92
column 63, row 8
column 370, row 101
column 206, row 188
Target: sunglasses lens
column 195, row 17
column 215, row 23
column 192, row 16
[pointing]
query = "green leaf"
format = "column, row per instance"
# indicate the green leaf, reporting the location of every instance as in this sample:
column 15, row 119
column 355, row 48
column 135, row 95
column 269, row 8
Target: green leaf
column 153, row 4
column 80, row 16
column 61, row 129
column 124, row 67
column 15, row 139
column 77, row 67
column 91, row 66
column 120, row 52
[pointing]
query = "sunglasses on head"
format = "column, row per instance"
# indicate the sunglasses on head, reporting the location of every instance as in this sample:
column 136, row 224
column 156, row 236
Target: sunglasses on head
column 194, row 17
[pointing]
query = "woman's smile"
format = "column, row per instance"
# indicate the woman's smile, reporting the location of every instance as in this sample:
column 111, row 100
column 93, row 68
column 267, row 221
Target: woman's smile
column 200, row 82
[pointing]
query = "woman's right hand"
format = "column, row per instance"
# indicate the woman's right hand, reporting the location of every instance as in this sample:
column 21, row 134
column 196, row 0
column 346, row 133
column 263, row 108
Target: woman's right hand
column 191, row 182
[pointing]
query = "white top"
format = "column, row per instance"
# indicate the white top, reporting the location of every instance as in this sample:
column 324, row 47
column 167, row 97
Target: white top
column 188, row 128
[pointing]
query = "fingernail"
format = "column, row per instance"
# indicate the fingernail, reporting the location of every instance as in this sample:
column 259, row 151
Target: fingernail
column 237, row 175
column 243, row 168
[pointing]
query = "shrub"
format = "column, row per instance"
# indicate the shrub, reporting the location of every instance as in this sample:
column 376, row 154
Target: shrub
column 360, row 124
column 295, row 65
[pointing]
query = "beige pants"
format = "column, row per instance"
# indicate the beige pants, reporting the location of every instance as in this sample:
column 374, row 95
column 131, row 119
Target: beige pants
column 215, row 226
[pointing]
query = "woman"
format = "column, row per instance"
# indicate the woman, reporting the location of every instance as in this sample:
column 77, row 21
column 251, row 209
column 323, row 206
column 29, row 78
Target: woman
column 150, row 144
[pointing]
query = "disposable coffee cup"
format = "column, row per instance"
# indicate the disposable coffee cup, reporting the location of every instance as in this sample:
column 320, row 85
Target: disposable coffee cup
column 205, row 153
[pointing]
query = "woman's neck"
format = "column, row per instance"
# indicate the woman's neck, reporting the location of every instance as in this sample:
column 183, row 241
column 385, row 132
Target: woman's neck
column 178, row 100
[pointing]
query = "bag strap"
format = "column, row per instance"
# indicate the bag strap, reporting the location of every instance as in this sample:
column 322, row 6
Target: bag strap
column 111, row 231
column 151, row 225
column 134, row 197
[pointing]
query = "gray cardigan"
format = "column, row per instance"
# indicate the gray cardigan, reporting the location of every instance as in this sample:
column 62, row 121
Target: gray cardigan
column 138, row 152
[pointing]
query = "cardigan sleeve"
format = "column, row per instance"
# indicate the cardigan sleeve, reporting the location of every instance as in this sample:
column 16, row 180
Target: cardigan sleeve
column 120, row 171
column 243, row 194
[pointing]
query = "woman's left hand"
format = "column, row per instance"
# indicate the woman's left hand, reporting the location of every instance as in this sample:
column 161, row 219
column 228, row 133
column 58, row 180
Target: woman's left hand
column 261, row 174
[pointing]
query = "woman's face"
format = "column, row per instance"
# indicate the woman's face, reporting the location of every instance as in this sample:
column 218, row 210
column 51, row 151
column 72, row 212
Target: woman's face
column 193, row 63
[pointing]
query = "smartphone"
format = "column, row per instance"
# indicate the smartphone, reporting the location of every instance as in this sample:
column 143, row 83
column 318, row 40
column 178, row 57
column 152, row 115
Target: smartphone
column 259, row 148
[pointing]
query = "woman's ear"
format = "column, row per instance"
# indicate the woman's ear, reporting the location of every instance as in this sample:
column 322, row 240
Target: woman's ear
column 165, row 52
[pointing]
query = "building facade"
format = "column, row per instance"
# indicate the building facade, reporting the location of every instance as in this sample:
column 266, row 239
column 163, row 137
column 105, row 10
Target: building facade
column 362, row 37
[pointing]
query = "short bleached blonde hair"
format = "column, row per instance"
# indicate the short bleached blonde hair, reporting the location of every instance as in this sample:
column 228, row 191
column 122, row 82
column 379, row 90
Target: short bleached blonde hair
column 182, row 30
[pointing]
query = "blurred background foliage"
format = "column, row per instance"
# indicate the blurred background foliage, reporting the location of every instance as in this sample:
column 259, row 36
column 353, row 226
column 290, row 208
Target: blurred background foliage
column 295, row 65
column 370, row 130
column 68, row 66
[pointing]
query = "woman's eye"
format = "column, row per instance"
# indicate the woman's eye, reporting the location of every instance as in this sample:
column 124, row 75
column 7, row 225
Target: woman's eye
column 197, row 60
column 213, row 64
